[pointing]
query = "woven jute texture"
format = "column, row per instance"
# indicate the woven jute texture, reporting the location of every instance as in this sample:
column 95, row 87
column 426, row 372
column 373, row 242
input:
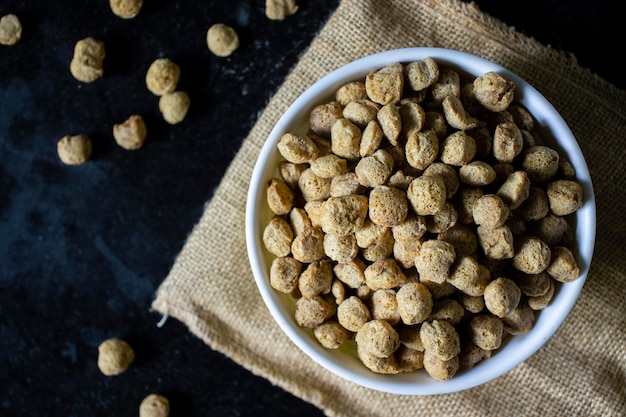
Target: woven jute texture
column 581, row 371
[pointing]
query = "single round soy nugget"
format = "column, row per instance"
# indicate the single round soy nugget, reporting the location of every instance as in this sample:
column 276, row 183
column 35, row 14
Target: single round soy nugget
column 441, row 339
column 222, row 40
column 415, row 303
column 154, row 405
column 378, row 338
column 162, row 76
column 427, row 195
column 114, row 356
column 74, row 149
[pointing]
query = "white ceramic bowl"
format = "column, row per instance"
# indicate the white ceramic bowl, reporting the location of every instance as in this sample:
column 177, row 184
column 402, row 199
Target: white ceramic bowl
column 343, row 362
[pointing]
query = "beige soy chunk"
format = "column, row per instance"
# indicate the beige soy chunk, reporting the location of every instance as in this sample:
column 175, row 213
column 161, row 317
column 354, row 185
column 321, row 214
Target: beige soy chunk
column 390, row 122
column 443, row 220
column 493, row 91
column 434, row 260
column 352, row 314
column 162, row 76
column 533, row 285
column 413, row 117
column 130, row 134
column 386, row 366
column 284, row 274
column 439, row 369
column 340, row 248
column 455, row 114
column 378, row 338
column 410, row 230
column 549, row 229
column 458, row 149
column 352, row 273
column 361, row 112
column 541, row 163
column 464, row 200
column 535, row 207
column 477, row 173
column 427, row 195
column 441, row 339
column 384, row 274
column 540, row 302
column 507, row 142
column 502, row 296
column 330, row 334
column 154, row 405
column 297, row 149
column 279, row 196
column 311, row 312
column 515, row 189
column 329, row 166
column 378, row 248
column 86, row 64
column 371, row 139
column 410, row 336
column 174, row 106
column 468, row 276
column 385, row 85
column 316, row 279
column 74, row 149
column 520, row 320
column 532, row 256
column 344, row 215
column 436, row 122
column 471, row 355
column 486, row 331
column 222, row 40
column 280, row 9
column 406, row 252
column 490, row 211
column 324, row 116
column 114, row 356
column 374, row 170
column 10, row 30
column 384, row 306
column 314, row 210
column 496, row 243
column 447, row 173
column 409, row 360
column 472, row 303
column 415, row 303
column 345, row 139
column 338, row 290
column 421, row 74
column 313, row 187
column 565, row 197
column 278, row 237
column 447, row 309
column 346, row 184
column 290, row 172
column 352, row 91
column 126, row 9
column 388, row 206
column 421, row 148
column 563, row 266
column 308, row 246
column 464, row 239
column 448, row 84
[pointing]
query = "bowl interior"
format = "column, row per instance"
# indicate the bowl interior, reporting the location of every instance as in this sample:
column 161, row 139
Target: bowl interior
column 343, row 362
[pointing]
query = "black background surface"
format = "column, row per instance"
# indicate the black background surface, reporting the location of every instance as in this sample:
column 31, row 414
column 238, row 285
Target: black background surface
column 83, row 249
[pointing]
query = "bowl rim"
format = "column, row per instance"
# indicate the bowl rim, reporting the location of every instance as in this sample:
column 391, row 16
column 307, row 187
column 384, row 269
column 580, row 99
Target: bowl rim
column 507, row 357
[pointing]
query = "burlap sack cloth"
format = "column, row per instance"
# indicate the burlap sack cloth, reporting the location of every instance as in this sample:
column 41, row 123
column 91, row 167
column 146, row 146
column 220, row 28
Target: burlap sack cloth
column 581, row 371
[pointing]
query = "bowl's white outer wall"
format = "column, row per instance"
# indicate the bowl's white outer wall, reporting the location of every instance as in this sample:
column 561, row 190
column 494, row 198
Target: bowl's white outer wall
column 343, row 362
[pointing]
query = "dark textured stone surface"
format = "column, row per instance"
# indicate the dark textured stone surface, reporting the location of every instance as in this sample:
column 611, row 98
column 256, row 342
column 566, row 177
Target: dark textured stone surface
column 83, row 248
